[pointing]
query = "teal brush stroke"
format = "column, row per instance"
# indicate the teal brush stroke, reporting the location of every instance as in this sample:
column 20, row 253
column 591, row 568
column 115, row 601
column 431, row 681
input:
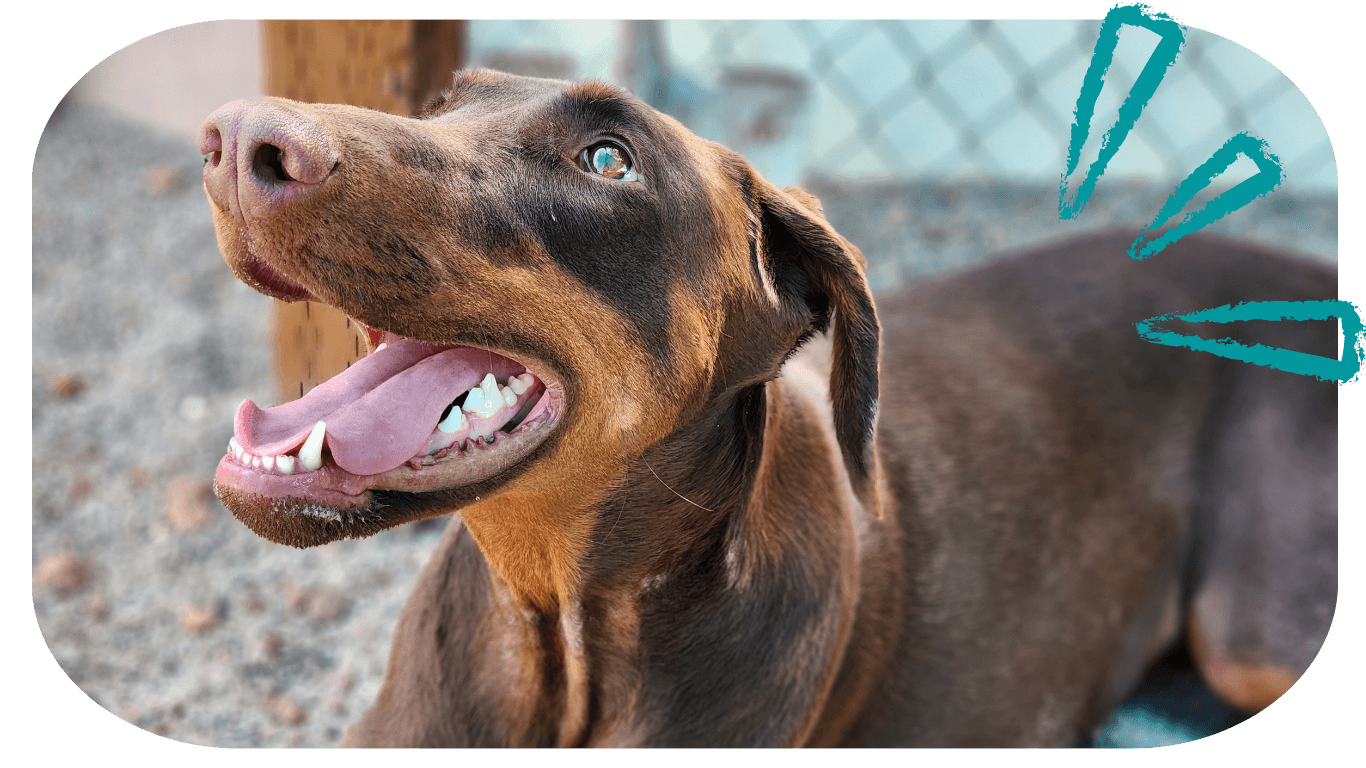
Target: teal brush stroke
column 1268, row 177
column 1173, row 37
column 1326, row 369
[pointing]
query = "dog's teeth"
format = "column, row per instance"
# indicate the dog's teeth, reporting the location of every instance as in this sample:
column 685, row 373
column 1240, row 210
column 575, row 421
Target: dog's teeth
column 485, row 399
column 455, row 422
column 493, row 399
column 520, row 384
column 284, row 465
column 382, row 346
column 474, row 401
column 311, row 455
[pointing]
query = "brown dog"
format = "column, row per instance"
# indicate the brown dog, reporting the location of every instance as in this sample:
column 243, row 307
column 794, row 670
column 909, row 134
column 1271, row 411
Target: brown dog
column 680, row 523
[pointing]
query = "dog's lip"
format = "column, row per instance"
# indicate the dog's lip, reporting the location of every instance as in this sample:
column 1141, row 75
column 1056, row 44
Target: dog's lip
column 269, row 280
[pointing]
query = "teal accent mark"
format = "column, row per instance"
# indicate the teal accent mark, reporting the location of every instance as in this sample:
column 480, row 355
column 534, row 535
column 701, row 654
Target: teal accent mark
column 1269, row 176
column 1324, row 368
column 1173, row 37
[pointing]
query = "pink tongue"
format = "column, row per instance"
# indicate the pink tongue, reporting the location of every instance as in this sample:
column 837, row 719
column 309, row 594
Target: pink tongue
column 379, row 412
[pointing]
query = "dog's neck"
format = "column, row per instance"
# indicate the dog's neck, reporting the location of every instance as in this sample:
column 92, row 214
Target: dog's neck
column 716, row 564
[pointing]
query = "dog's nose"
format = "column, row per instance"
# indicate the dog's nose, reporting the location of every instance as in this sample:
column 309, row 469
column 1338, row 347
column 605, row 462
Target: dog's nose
column 260, row 155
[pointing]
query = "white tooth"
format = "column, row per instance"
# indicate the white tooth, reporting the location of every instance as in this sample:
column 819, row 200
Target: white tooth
column 455, row 422
column 268, row 462
column 509, row 396
column 311, row 455
column 247, row 458
column 492, row 398
column 285, row 464
column 520, row 384
column 382, row 346
column 474, row 401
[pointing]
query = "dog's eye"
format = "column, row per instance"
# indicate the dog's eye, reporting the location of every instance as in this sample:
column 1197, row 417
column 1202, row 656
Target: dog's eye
column 609, row 161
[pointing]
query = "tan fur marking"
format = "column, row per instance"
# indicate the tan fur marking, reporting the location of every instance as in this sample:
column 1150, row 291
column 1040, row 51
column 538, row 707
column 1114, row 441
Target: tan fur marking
column 1247, row 686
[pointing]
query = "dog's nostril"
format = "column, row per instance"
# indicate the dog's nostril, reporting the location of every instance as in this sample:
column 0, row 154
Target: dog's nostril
column 268, row 164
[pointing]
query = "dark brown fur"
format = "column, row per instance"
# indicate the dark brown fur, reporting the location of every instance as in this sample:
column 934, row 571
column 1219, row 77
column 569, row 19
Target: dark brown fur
column 984, row 539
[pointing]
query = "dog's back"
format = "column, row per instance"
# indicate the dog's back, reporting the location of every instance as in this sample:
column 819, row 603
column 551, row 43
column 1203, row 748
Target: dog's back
column 1061, row 482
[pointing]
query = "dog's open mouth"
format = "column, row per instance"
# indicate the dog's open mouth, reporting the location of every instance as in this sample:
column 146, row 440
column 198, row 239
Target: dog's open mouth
column 411, row 416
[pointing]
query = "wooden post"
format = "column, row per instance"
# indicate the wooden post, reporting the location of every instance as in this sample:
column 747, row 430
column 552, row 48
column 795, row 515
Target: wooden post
column 391, row 66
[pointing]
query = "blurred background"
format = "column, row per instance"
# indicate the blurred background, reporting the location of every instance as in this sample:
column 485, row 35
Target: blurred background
column 867, row 109
column 933, row 145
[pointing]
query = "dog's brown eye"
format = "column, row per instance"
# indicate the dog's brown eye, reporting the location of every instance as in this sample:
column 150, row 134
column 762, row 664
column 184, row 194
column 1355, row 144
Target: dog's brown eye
column 610, row 161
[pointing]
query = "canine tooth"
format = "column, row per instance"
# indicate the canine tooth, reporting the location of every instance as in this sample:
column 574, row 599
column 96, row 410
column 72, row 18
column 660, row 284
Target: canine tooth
column 382, row 346
column 285, row 464
column 455, row 422
column 268, row 462
column 509, row 397
column 311, row 455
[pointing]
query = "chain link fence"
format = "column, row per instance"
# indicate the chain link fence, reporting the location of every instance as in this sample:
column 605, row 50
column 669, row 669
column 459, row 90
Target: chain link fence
column 877, row 115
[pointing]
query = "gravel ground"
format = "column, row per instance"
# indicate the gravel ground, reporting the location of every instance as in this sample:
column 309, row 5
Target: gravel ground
column 176, row 618
column 159, row 605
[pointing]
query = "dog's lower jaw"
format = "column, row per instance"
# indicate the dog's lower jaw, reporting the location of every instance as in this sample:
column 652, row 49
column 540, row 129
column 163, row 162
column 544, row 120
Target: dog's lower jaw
column 307, row 523
column 302, row 523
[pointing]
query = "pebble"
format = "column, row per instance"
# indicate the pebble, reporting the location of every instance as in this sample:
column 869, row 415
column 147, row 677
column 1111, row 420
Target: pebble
column 62, row 572
column 187, row 503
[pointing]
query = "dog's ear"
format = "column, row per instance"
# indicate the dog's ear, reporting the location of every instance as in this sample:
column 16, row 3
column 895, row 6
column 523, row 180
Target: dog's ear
column 817, row 273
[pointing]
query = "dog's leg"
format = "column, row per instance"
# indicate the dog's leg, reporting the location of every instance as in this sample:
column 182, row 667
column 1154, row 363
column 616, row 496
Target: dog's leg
column 1266, row 568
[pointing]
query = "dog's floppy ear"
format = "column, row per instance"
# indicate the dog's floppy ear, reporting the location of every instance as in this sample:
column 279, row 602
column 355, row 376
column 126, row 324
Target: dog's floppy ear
column 815, row 271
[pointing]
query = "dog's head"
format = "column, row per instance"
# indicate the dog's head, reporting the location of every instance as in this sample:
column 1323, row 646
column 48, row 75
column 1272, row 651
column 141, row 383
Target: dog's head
column 555, row 276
